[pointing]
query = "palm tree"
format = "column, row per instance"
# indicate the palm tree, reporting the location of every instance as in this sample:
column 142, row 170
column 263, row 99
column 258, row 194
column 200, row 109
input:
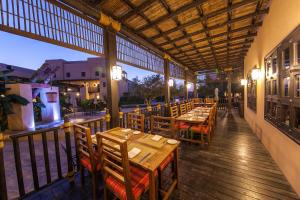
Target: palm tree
column 7, row 100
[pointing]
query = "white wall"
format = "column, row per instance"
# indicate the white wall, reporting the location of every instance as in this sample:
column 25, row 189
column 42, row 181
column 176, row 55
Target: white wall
column 23, row 118
column 284, row 16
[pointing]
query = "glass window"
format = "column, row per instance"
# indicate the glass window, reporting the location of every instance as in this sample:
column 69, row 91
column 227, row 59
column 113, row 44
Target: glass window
column 286, row 63
column 97, row 73
column 68, row 74
column 82, row 74
column 274, row 65
column 297, row 79
column 274, row 87
column 286, row 85
column 268, row 88
column 269, row 72
column 104, row 84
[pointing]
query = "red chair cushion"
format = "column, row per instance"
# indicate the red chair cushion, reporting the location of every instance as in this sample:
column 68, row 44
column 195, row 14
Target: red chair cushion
column 85, row 161
column 182, row 125
column 166, row 162
column 139, row 182
column 200, row 129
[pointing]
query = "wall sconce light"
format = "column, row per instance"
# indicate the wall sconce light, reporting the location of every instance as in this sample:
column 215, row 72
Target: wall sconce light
column 78, row 94
column 188, row 86
column 244, row 82
column 171, row 82
column 116, row 73
column 98, row 97
column 255, row 74
column 69, row 89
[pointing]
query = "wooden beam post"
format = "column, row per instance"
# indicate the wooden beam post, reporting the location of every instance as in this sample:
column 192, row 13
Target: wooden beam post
column 110, row 52
column 229, row 94
column 166, row 78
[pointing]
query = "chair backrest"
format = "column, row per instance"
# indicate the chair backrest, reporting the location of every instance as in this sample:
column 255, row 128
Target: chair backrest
column 188, row 107
column 114, row 158
column 182, row 108
column 174, row 111
column 163, row 126
column 136, row 121
column 209, row 100
column 83, row 142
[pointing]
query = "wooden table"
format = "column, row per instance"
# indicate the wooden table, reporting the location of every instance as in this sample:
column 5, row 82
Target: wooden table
column 159, row 152
column 196, row 116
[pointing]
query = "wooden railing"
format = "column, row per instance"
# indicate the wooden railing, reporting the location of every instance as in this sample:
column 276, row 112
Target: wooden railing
column 39, row 142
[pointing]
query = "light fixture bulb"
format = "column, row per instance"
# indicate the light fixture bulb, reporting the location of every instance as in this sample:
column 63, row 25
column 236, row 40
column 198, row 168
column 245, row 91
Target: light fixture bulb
column 171, row 82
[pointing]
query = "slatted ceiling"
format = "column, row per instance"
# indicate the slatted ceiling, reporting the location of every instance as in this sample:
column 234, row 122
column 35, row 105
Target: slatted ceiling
column 198, row 37
column 150, row 32
column 154, row 11
column 115, row 7
column 197, row 26
column 175, row 34
column 175, row 4
column 219, row 19
column 188, row 15
column 168, row 22
column 167, row 25
column 136, row 22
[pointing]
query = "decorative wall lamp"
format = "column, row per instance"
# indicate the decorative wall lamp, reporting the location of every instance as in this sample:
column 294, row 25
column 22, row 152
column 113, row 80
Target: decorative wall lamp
column 188, row 86
column 171, row 82
column 116, row 73
column 255, row 74
column 244, row 82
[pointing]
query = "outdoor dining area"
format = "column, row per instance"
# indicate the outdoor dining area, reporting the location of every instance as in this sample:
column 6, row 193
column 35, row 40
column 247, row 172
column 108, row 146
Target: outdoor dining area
column 241, row 143
column 132, row 157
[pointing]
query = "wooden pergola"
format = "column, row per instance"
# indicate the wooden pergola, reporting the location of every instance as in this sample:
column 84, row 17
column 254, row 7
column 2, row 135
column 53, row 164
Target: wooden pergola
column 171, row 37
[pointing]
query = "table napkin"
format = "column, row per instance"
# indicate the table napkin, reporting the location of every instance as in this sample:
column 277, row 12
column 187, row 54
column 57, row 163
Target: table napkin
column 133, row 152
column 156, row 137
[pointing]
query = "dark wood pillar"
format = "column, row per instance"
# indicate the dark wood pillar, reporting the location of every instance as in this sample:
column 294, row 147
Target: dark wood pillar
column 229, row 75
column 167, row 78
column 110, row 51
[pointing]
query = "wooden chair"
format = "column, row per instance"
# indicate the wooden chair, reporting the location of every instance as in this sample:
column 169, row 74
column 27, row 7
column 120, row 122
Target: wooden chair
column 136, row 121
column 192, row 105
column 182, row 108
column 188, row 107
column 174, row 111
column 88, row 157
column 164, row 126
column 205, row 131
column 121, row 179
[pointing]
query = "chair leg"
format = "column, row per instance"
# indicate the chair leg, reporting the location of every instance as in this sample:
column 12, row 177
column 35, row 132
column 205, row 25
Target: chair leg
column 81, row 175
column 94, row 185
column 105, row 192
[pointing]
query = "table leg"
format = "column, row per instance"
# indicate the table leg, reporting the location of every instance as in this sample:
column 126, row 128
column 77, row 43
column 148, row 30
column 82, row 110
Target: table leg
column 176, row 166
column 152, row 187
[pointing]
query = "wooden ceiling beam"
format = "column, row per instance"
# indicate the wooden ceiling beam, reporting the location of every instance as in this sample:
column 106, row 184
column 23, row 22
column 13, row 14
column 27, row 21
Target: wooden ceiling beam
column 219, row 42
column 214, row 36
column 207, row 46
column 137, row 10
column 182, row 26
column 186, row 8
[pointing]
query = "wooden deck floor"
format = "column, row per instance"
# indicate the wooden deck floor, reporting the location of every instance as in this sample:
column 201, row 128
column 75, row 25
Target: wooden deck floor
column 235, row 166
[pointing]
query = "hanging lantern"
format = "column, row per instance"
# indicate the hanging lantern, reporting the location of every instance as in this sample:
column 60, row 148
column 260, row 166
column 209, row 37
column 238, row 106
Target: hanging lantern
column 243, row 82
column 51, row 97
column 116, row 73
column 171, row 82
column 255, row 74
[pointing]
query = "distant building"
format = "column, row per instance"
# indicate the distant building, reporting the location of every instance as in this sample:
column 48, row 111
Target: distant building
column 86, row 78
column 18, row 74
